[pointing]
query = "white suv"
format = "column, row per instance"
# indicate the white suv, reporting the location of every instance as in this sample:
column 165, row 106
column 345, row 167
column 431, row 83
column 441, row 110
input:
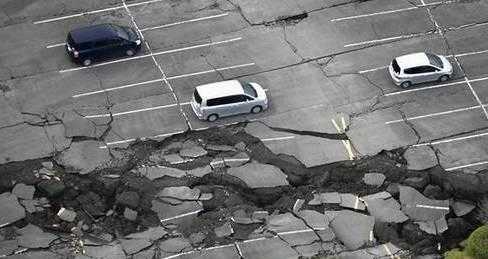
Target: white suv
column 227, row 98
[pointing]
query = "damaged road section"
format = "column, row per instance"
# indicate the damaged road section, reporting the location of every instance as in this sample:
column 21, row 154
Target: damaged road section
column 223, row 193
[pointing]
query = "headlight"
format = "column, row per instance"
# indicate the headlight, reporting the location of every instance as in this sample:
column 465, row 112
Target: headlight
column 138, row 42
column 76, row 54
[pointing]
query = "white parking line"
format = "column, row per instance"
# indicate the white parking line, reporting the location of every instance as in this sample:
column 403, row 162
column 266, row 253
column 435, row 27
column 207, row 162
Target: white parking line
column 431, row 207
column 466, row 166
column 451, row 140
column 56, row 45
column 134, row 111
column 472, row 53
column 434, row 114
column 424, row 88
column 275, row 139
column 372, row 69
column 183, row 22
column 386, row 39
column 161, row 80
column 94, row 12
column 153, row 54
column 388, row 11
column 181, row 216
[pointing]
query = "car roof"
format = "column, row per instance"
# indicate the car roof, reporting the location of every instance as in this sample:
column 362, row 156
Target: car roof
column 93, row 33
column 413, row 60
column 220, row 89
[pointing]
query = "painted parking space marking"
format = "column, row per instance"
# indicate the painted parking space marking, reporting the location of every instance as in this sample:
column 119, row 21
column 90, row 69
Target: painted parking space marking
column 345, row 142
column 436, row 86
column 277, row 139
column 152, row 54
column 94, row 12
column 56, row 45
column 434, row 114
column 184, row 22
column 105, row 115
column 400, row 37
column 449, row 140
column 161, row 79
column 431, row 207
column 372, row 69
column 466, row 166
column 389, row 11
column 181, row 215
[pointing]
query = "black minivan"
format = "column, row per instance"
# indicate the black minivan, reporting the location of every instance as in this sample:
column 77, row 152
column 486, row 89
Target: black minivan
column 102, row 41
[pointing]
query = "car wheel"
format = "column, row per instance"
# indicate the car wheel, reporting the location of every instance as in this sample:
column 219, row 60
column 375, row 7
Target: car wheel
column 443, row 78
column 130, row 52
column 406, row 84
column 212, row 117
column 256, row 109
column 87, row 62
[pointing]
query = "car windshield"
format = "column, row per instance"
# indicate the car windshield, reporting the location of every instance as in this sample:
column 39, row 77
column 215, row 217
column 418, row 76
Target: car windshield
column 248, row 89
column 121, row 32
column 395, row 66
column 434, row 60
column 197, row 97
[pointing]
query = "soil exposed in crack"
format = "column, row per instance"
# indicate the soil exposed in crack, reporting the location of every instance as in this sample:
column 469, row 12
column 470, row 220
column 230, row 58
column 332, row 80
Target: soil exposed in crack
column 96, row 197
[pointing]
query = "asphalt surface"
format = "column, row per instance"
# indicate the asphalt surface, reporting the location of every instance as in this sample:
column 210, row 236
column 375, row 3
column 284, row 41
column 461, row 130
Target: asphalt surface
column 322, row 63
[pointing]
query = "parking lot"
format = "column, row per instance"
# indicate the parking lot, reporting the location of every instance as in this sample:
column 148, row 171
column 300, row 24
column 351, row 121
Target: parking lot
column 323, row 64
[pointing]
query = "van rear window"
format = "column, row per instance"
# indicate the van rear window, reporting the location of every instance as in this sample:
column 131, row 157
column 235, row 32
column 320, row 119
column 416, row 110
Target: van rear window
column 395, row 66
column 197, row 97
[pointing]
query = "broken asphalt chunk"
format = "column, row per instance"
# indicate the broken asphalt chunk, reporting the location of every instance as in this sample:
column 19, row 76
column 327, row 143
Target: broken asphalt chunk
column 379, row 195
column 461, row 208
column 374, row 179
column 299, row 238
column 33, row 237
column 52, row 188
column 11, row 210
column 436, row 227
column 66, row 215
column 167, row 212
column 7, row 247
column 130, row 215
column 237, row 160
column 110, row 251
column 200, row 171
column 284, row 223
column 174, row 246
column 193, row 152
column 420, row 208
column 257, row 175
column 221, row 148
column 267, row 248
column 224, row 230
column 180, row 193
column 314, row 219
column 351, row 201
column 152, row 234
column 132, row 246
column 155, row 172
column 353, row 229
column 386, row 210
column 84, row 156
column 23, row 191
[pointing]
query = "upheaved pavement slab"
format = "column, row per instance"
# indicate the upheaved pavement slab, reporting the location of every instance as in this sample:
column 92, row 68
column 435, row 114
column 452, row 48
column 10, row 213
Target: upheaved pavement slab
column 23, row 142
column 33, row 237
column 353, row 229
column 155, row 172
column 387, row 250
column 257, row 175
column 11, row 209
column 267, row 248
column 314, row 219
column 351, row 201
column 84, row 156
column 420, row 158
column 222, row 252
column 180, row 193
column 23, row 191
column 461, row 208
column 386, row 210
column 419, row 208
column 174, row 246
column 285, row 222
column 110, row 251
column 153, row 234
column 167, row 212
column 374, row 179
column 435, row 227
column 299, row 238
column 132, row 246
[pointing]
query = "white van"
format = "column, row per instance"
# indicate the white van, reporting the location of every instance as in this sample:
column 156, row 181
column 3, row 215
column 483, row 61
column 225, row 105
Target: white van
column 226, row 98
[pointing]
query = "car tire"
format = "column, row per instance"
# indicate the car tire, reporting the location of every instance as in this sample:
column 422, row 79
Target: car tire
column 406, row 84
column 130, row 52
column 256, row 109
column 212, row 117
column 87, row 62
column 443, row 78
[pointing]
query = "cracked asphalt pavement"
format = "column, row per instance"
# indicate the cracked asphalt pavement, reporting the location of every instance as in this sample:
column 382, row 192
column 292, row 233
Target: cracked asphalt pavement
column 109, row 161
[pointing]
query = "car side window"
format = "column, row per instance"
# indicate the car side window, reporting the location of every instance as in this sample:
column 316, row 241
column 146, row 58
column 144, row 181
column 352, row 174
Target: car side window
column 214, row 102
column 412, row 70
column 100, row 44
column 427, row 69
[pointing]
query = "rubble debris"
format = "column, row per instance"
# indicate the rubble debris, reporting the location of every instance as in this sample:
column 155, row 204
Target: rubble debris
column 153, row 234
column 236, row 160
column 257, row 175
column 156, row 172
column 180, row 193
column 374, row 179
column 8, row 247
column 298, row 205
column 174, row 246
column 11, row 210
column 224, row 230
column 200, row 171
column 193, row 152
column 175, row 159
column 66, row 215
column 33, row 237
column 353, row 236
column 220, row 148
column 92, row 203
column 197, row 238
column 48, row 165
column 418, row 183
column 435, row 227
column 166, row 211
column 132, row 246
column 130, row 214
column 128, row 198
column 23, row 191
column 432, row 192
column 52, row 188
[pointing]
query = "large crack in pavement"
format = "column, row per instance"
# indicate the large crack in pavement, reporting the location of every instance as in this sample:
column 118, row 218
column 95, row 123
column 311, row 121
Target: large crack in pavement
column 161, row 198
